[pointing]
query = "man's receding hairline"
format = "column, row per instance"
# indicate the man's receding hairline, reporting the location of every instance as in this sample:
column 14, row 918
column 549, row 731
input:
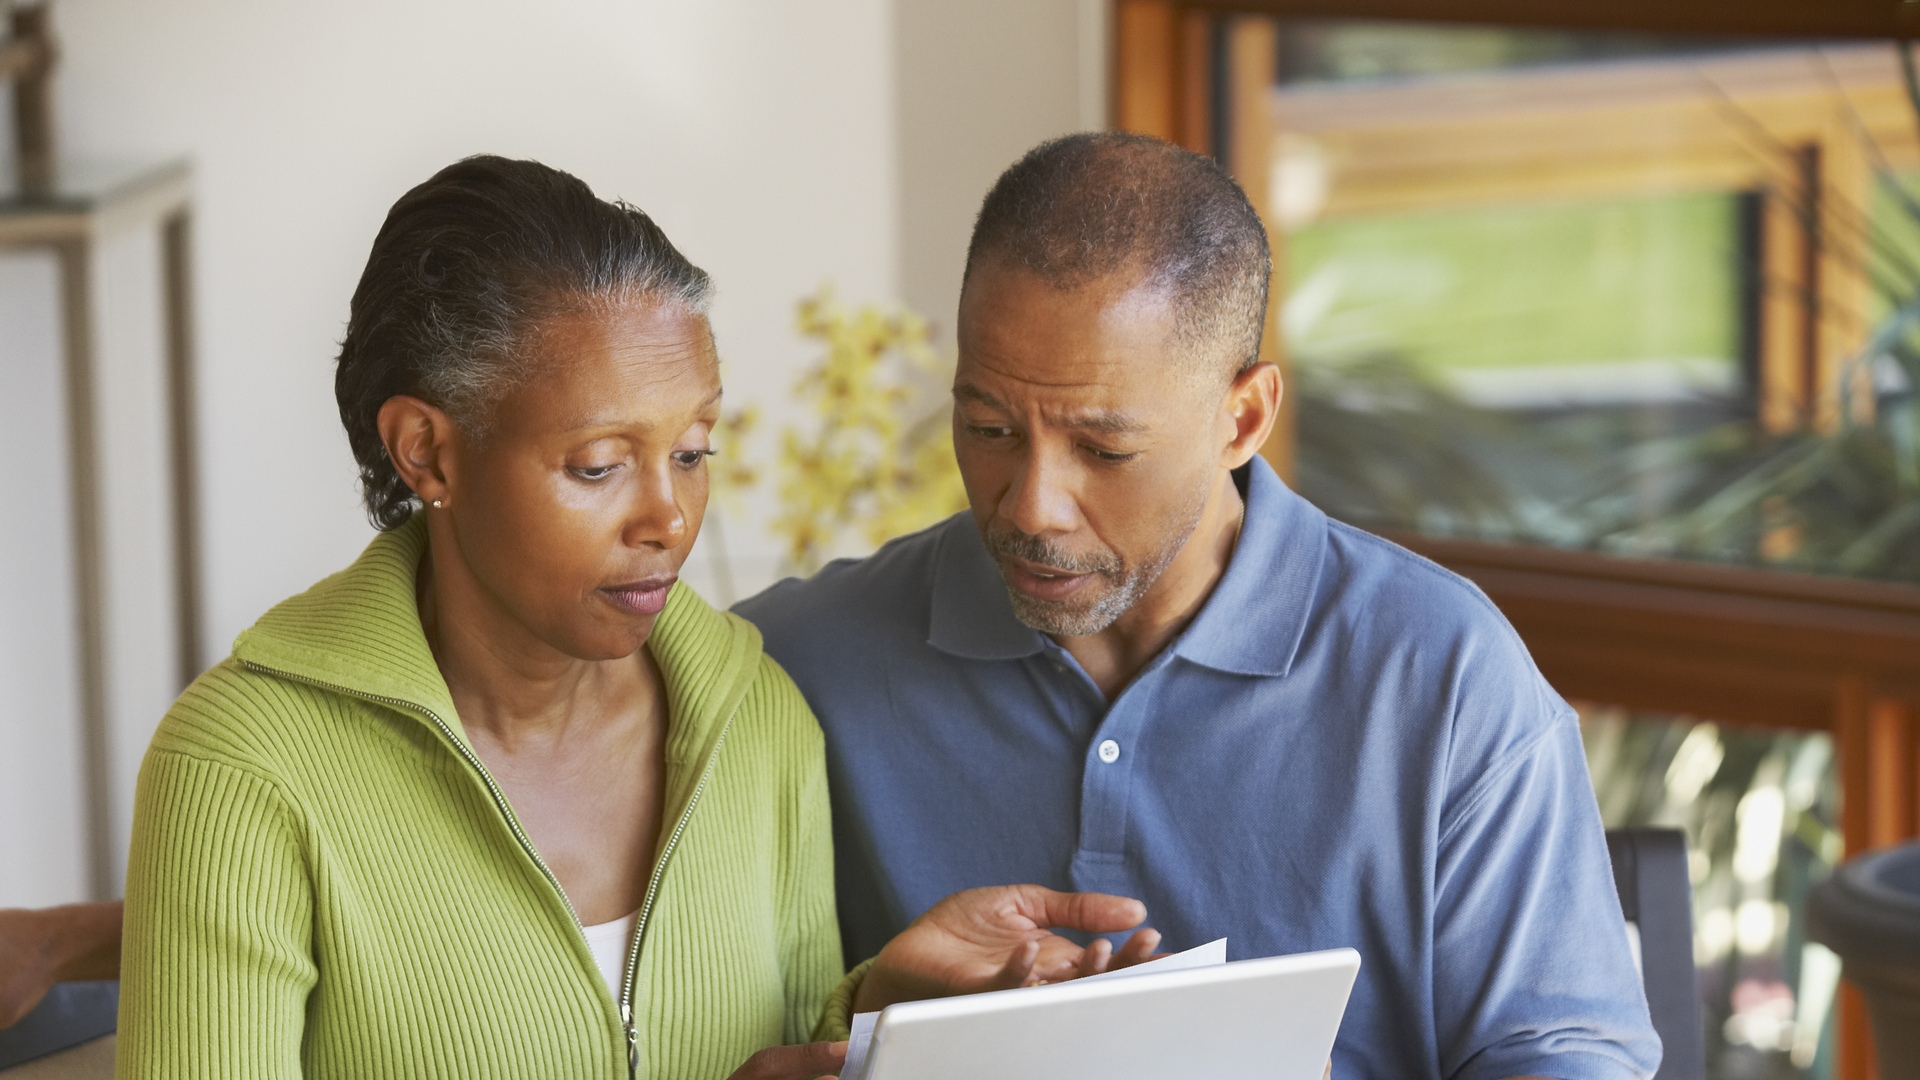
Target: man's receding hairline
column 1139, row 272
column 1191, row 353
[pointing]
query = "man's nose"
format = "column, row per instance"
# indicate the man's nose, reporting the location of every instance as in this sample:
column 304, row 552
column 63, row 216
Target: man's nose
column 1040, row 500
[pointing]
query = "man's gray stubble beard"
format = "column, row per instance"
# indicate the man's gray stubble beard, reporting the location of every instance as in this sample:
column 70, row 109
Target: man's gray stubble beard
column 1058, row 618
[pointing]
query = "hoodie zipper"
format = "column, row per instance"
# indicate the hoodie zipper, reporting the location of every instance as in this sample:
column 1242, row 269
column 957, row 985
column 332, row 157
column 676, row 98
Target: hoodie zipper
column 653, row 891
column 506, row 811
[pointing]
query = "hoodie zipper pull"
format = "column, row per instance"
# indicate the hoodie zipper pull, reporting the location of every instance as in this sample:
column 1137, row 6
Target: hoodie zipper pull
column 633, row 1041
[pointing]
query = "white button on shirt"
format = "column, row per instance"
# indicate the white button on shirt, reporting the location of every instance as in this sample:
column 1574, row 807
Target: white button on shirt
column 1109, row 751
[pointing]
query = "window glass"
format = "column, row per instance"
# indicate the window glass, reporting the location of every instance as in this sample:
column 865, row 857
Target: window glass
column 1761, row 813
column 1643, row 296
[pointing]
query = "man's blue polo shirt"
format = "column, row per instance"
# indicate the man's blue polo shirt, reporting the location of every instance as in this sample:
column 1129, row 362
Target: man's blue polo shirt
column 1347, row 746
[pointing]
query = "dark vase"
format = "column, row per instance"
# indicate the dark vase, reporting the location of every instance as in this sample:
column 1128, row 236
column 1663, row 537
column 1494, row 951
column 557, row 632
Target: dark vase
column 1869, row 913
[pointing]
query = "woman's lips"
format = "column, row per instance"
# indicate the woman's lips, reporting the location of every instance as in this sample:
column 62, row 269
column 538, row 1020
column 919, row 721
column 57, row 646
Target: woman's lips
column 640, row 597
column 1042, row 582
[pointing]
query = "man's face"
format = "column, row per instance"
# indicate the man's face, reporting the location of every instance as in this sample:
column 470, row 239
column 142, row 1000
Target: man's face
column 1087, row 442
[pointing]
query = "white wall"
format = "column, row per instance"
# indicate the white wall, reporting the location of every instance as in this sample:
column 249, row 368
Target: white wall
column 780, row 145
column 979, row 83
column 760, row 135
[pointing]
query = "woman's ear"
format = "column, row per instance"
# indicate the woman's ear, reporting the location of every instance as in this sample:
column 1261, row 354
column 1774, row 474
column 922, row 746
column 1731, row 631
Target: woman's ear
column 419, row 441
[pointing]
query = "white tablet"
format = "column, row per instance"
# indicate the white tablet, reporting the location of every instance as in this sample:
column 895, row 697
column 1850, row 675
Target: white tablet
column 1271, row 1019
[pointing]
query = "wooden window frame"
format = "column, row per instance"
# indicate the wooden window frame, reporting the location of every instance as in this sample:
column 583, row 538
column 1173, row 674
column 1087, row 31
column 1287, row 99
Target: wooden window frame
column 1743, row 18
column 1743, row 646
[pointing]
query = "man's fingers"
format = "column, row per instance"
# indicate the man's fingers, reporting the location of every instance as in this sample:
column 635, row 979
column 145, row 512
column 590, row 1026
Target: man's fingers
column 1095, row 913
column 1138, row 949
column 1019, row 968
column 1094, row 958
column 800, row 1062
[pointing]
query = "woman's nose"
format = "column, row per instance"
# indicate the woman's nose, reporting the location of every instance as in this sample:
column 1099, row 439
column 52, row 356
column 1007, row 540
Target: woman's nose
column 655, row 518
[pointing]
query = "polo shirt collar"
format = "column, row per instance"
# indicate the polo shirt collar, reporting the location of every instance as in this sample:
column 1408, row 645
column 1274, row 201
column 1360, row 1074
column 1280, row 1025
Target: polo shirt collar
column 1255, row 619
column 1251, row 625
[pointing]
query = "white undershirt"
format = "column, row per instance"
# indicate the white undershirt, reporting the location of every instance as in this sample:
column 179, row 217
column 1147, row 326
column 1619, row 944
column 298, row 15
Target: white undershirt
column 608, row 943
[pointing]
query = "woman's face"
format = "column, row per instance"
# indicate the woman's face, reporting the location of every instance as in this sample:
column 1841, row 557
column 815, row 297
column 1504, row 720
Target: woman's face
column 577, row 508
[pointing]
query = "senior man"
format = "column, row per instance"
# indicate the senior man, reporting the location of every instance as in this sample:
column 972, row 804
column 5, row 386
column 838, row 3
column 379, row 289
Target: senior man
column 1142, row 665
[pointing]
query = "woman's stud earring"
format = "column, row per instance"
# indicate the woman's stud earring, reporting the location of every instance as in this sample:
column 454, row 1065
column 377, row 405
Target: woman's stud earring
column 437, row 504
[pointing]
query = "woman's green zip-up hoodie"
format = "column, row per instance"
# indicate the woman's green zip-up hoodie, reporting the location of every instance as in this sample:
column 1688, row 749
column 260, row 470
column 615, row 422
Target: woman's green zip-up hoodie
column 324, row 881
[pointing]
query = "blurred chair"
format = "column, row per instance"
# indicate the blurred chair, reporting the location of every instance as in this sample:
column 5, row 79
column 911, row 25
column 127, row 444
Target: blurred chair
column 1869, row 913
column 1656, row 895
column 68, row 1036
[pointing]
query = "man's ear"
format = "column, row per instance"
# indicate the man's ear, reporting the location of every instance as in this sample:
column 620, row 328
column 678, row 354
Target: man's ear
column 1248, row 413
column 419, row 441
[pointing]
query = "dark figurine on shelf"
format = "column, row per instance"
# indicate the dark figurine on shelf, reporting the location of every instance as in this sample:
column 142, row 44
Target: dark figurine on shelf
column 27, row 58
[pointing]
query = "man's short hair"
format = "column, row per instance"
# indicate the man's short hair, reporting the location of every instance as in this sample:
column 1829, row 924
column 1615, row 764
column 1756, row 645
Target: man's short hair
column 1085, row 207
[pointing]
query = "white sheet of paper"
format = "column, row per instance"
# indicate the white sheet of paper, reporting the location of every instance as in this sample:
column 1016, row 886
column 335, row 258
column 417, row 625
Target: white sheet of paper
column 858, row 1043
column 1213, row 952
column 860, row 1040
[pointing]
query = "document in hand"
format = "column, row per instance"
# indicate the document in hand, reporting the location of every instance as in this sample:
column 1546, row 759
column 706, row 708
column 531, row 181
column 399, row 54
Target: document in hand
column 1190, row 1014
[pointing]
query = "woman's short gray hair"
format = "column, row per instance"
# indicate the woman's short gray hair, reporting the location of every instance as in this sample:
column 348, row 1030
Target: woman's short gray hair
column 465, row 270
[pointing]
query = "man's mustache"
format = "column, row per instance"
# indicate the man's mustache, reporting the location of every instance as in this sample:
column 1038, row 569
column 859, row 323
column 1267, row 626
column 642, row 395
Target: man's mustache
column 1012, row 543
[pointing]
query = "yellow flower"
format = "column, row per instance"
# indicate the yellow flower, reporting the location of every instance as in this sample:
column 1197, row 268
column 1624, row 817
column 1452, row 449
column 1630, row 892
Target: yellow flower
column 880, row 461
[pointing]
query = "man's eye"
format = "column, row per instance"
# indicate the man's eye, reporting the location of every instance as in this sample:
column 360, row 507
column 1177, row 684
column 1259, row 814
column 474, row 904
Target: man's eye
column 592, row 472
column 689, row 459
column 988, row 431
column 1113, row 456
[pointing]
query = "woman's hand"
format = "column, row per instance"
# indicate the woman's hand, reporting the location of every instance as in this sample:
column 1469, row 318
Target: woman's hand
column 808, row 1061
column 1002, row 937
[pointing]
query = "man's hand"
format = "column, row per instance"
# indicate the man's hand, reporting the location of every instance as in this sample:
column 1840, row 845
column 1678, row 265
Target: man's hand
column 809, row 1061
column 44, row 946
column 1002, row 937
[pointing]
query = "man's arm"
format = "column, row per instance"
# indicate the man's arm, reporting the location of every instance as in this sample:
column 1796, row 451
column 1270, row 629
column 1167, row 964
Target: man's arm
column 43, row 946
column 1532, row 969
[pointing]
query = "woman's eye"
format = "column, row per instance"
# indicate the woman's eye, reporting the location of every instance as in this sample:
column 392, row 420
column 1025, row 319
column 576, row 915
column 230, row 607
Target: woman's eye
column 592, row 472
column 689, row 459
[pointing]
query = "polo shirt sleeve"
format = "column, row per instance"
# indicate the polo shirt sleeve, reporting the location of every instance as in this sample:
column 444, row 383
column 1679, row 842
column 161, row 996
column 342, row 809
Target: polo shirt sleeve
column 1533, row 975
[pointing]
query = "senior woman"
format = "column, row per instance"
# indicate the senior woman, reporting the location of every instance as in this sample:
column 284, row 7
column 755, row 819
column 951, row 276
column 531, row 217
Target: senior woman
column 501, row 799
